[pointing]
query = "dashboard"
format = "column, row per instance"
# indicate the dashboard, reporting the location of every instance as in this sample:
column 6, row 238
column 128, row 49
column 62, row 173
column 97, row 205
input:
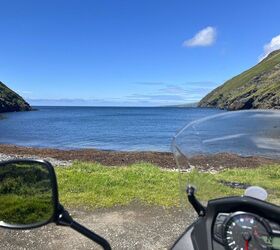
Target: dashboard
column 245, row 231
column 233, row 223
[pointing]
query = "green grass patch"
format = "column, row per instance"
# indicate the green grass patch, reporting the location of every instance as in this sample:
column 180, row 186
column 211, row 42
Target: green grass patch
column 25, row 193
column 94, row 186
column 267, row 177
column 18, row 209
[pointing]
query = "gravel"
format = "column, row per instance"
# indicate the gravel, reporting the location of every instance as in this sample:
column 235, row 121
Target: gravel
column 131, row 227
column 53, row 161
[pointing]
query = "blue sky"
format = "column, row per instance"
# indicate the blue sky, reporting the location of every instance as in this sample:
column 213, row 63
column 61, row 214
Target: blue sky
column 131, row 52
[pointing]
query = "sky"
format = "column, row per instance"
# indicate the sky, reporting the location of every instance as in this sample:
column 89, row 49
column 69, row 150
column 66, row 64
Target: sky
column 131, row 52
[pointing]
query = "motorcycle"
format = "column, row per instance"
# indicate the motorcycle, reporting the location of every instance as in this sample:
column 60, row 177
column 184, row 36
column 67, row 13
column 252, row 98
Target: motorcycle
column 29, row 192
column 250, row 139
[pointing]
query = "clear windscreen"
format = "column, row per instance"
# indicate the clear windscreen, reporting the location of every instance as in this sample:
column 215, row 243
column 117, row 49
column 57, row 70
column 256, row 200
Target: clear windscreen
column 223, row 155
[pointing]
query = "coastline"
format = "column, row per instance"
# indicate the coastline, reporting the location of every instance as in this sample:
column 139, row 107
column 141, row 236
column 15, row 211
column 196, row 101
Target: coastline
column 59, row 157
column 104, row 157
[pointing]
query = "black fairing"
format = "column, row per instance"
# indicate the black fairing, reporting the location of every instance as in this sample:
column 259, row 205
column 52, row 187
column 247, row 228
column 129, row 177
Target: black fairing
column 202, row 229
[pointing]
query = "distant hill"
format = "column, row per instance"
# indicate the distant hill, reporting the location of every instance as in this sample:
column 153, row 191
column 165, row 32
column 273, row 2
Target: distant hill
column 186, row 105
column 256, row 88
column 11, row 101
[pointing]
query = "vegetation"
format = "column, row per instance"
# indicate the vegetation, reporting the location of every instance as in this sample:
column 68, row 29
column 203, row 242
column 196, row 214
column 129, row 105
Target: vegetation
column 258, row 87
column 267, row 177
column 25, row 194
column 11, row 101
column 94, row 186
column 23, row 210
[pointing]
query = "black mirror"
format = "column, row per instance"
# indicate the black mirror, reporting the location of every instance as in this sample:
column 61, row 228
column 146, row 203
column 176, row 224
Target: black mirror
column 28, row 194
column 29, row 198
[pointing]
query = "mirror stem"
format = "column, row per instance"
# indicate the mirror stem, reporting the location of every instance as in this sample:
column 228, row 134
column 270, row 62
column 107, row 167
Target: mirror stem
column 93, row 236
column 65, row 219
column 198, row 207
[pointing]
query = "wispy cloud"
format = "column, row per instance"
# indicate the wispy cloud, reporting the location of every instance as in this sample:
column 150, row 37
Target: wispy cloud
column 168, row 94
column 189, row 87
column 134, row 100
column 205, row 37
column 274, row 44
column 24, row 92
column 175, row 93
column 156, row 97
column 173, row 89
column 150, row 83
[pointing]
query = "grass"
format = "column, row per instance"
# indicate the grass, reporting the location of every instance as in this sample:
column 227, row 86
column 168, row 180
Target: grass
column 267, row 177
column 96, row 186
column 25, row 193
column 18, row 209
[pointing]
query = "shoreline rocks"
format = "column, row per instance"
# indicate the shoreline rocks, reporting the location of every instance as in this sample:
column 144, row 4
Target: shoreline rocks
column 53, row 161
column 165, row 160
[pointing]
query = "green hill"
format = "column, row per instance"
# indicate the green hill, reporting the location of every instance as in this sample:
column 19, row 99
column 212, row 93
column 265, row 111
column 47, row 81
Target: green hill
column 11, row 101
column 256, row 88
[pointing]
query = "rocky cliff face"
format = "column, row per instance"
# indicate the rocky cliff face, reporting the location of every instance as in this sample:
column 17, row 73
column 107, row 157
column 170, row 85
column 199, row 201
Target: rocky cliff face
column 256, row 88
column 11, row 101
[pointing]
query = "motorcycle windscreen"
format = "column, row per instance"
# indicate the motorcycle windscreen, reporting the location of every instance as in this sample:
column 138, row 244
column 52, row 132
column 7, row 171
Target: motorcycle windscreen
column 225, row 154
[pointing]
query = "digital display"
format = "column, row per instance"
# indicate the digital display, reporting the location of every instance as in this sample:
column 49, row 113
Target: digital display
column 275, row 242
column 272, row 241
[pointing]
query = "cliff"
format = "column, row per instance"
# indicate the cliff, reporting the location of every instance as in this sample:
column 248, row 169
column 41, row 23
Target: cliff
column 256, row 88
column 11, row 101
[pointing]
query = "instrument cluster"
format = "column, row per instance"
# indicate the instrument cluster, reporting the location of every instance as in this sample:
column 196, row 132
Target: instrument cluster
column 246, row 231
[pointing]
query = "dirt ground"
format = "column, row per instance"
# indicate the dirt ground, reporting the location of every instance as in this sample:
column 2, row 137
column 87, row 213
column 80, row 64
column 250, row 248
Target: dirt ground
column 131, row 227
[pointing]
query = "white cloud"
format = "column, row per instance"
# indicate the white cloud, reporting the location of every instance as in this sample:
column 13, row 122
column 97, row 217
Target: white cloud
column 205, row 37
column 274, row 44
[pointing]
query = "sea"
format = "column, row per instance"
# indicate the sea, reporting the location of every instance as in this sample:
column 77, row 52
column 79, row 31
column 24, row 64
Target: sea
column 104, row 128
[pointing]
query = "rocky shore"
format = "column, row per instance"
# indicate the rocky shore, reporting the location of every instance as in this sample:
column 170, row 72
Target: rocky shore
column 53, row 161
column 107, row 158
column 112, row 158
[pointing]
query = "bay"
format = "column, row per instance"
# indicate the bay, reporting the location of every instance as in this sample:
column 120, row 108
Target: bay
column 105, row 128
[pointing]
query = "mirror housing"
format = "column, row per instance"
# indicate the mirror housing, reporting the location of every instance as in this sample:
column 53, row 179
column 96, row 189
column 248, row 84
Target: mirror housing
column 28, row 189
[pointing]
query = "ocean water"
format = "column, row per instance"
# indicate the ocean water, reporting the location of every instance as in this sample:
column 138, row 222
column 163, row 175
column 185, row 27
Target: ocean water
column 106, row 128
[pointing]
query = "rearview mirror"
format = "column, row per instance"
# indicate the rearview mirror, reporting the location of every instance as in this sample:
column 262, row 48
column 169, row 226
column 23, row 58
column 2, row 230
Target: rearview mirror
column 28, row 194
column 29, row 198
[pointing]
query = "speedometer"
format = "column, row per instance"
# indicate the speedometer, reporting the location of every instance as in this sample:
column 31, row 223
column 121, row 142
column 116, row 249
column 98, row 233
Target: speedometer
column 245, row 231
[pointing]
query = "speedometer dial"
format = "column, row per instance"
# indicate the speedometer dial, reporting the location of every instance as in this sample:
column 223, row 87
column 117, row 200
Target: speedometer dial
column 244, row 231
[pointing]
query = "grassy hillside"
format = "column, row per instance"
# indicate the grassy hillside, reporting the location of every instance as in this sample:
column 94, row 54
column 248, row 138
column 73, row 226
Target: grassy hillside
column 11, row 101
column 258, row 87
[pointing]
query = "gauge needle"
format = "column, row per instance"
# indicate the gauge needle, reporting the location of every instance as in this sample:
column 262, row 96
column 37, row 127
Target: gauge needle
column 246, row 245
